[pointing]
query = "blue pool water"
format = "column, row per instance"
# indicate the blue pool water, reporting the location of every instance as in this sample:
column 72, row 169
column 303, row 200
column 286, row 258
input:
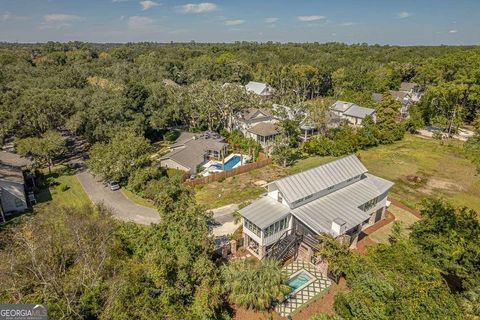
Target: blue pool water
column 231, row 162
column 298, row 280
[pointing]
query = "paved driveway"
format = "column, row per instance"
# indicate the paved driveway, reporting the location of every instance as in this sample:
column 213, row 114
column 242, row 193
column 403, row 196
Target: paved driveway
column 223, row 224
column 122, row 207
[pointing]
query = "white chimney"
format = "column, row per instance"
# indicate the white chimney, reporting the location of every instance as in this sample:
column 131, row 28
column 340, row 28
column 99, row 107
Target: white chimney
column 338, row 227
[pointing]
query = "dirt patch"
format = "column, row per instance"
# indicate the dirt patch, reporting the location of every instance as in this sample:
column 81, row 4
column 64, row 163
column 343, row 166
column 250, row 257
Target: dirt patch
column 438, row 184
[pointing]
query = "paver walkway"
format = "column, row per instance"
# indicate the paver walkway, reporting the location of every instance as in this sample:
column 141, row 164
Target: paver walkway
column 305, row 294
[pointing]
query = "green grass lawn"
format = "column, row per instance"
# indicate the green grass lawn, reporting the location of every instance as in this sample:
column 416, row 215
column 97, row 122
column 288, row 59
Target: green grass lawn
column 237, row 189
column 406, row 219
column 137, row 199
column 66, row 190
column 441, row 166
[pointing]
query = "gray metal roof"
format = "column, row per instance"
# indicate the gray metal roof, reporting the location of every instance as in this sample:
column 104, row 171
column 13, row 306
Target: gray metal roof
column 312, row 181
column 341, row 106
column 264, row 211
column 342, row 204
column 359, row 112
column 259, row 88
column 11, row 173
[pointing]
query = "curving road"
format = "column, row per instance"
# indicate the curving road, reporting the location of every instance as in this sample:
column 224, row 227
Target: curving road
column 122, row 207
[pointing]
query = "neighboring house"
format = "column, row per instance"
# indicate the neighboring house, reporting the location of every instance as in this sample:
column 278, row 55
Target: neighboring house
column 12, row 183
column 247, row 118
column 403, row 97
column 257, row 124
column 408, row 94
column 415, row 90
column 264, row 133
column 339, row 198
column 307, row 126
column 352, row 112
column 191, row 150
column 260, row 89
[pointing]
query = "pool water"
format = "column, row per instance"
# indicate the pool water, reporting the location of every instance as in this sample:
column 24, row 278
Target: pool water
column 298, row 280
column 232, row 162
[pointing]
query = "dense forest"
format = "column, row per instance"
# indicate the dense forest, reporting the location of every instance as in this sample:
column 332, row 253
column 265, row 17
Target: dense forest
column 121, row 98
column 94, row 90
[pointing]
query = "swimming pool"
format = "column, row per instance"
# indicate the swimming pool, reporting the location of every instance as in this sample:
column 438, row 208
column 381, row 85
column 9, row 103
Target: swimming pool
column 299, row 280
column 232, row 162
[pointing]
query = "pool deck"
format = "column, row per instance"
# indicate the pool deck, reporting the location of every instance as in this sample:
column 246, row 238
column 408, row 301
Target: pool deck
column 306, row 293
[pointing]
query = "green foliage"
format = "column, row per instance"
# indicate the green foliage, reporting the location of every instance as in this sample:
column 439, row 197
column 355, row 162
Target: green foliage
column 117, row 159
column 255, row 284
column 389, row 128
column 390, row 282
column 282, row 152
column 43, row 149
column 139, row 179
column 452, row 238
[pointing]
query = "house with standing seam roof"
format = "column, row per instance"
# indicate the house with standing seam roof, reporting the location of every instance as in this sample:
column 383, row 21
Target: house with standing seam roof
column 339, row 198
column 352, row 112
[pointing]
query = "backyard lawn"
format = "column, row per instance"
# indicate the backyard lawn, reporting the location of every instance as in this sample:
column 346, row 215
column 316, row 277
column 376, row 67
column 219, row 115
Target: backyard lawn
column 419, row 167
column 406, row 219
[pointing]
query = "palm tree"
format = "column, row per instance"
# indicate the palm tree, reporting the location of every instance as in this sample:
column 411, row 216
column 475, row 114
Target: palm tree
column 255, row 284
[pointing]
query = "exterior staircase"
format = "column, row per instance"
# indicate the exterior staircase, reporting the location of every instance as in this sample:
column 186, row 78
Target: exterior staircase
column 285, row 247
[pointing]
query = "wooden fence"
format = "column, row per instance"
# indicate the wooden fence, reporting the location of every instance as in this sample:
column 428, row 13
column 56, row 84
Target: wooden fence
column 230, row 173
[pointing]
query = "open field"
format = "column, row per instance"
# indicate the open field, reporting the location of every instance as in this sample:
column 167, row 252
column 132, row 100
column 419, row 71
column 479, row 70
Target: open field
column 419, row 167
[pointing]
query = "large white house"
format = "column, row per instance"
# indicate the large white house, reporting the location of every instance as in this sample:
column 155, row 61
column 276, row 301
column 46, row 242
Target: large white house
column 339, row 198
column 352, row 112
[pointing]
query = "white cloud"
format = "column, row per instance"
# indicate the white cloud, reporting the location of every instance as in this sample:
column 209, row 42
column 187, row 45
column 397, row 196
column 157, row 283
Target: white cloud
column 310, row 18
column 148, row 4
column 142, row 24
column 271, row 20
column 453, row 31
column 347, row 24
column 5, row 16
column 198, row 8
column 404, row 14
column 61, row 18
column 234, row 22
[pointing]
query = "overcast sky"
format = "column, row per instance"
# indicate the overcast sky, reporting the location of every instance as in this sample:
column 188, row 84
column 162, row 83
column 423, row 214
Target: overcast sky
column 402, row 22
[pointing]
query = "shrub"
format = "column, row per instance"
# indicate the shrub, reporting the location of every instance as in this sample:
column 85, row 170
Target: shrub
column 139, row 178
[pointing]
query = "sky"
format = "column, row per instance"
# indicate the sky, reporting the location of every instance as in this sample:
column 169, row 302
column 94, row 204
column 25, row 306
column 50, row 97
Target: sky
column 396, row 22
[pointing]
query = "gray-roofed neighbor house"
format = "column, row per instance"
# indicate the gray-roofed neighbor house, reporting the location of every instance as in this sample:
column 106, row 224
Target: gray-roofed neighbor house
column 352, row 112
column 12, row 183
column 259, row 88
column 192, row 150
column 340, row 198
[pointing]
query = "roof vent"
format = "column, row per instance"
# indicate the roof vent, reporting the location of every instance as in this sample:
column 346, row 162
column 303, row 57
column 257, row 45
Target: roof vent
column 339, row 227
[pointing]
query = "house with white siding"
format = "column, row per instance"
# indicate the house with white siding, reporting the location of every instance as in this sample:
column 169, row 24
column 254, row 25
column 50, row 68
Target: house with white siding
column 339, row 198
column 352, row 112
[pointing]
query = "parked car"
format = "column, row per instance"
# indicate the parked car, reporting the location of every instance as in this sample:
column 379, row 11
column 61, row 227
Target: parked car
column 113, row 185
